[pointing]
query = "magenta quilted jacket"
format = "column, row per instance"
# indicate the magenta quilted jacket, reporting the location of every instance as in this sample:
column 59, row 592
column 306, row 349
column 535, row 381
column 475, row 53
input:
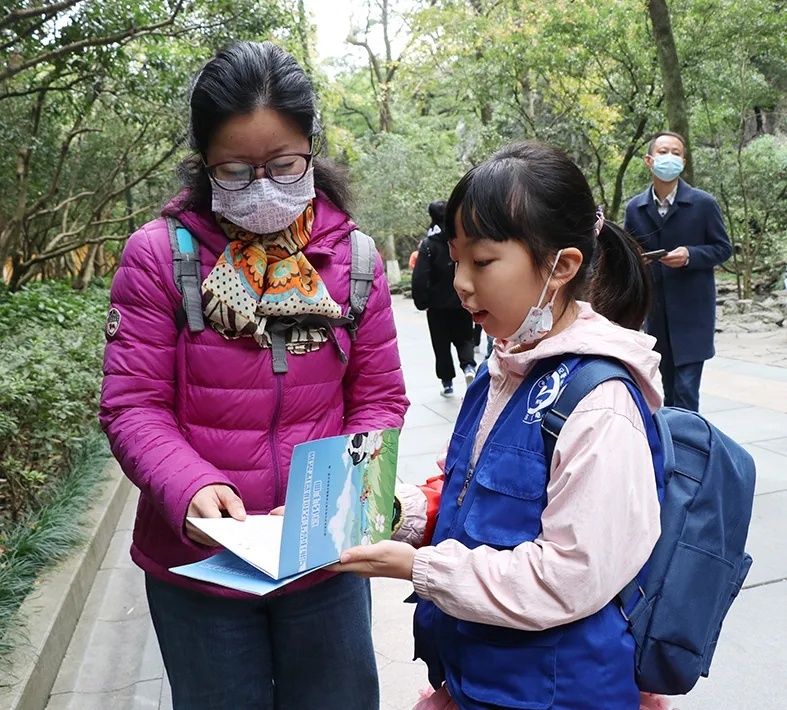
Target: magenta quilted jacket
column 184, row 410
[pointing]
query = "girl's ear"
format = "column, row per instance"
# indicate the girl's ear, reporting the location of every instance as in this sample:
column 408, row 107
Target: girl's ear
column 567, row 266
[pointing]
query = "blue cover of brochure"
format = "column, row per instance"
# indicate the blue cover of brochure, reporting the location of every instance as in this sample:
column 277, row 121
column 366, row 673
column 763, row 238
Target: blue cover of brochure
column 340, row 494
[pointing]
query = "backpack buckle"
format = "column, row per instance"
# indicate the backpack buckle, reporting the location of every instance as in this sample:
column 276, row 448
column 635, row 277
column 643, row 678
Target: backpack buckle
column 621, row 605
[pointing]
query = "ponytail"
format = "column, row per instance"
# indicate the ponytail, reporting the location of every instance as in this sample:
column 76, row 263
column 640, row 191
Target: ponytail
column 619, row 288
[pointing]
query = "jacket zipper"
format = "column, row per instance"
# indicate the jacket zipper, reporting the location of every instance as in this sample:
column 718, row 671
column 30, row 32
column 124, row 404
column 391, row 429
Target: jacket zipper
column 272, row 442
column 465, row 485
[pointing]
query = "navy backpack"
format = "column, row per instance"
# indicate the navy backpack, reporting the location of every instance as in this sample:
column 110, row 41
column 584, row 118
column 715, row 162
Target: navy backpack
column 676, row 604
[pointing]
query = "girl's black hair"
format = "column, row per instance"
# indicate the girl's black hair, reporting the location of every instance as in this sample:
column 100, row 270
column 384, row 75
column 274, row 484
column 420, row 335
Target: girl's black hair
column 437, row 213
column 535, row 194
column 240, row 79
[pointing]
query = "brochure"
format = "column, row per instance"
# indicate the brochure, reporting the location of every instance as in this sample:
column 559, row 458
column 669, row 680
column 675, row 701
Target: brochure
column 340, row 494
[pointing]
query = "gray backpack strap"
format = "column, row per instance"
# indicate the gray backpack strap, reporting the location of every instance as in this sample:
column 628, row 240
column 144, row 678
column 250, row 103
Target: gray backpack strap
column 278, row 328
column 279, row 351
column 188, row 279
column 361, row 275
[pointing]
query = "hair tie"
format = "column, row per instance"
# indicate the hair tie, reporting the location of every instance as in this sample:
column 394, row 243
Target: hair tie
column 599, row 220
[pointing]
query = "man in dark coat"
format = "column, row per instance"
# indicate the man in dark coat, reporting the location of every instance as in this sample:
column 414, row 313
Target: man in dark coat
column 433, row 291
column 686, row 223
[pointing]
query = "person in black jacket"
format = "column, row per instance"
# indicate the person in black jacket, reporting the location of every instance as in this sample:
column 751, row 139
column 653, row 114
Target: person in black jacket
column 433, row 291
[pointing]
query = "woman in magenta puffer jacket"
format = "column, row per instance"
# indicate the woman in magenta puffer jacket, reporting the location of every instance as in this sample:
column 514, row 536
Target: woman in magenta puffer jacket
column 200, row 422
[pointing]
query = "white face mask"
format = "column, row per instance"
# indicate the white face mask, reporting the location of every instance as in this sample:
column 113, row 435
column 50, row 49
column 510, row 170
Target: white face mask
column 538, row 321
column 264, row 207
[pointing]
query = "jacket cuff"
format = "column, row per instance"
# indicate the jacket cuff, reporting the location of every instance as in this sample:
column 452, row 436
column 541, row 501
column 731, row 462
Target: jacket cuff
column 421, row 564
column 413, row 517
column 175, row 514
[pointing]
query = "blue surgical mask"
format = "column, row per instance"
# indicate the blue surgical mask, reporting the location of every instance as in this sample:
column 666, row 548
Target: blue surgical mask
column 667, row 167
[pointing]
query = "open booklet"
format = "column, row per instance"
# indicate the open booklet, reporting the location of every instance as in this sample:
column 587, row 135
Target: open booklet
column 339, row 494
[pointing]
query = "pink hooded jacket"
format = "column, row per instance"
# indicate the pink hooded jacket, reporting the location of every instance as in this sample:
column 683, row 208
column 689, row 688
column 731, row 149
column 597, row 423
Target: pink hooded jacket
column 184, row 410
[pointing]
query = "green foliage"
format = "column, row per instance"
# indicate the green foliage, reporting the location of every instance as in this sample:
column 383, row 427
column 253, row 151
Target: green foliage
column 751, row 184
column 397, row 176
column 582, row 75
column 52, row 343
column 95, row 130
column 46, row 535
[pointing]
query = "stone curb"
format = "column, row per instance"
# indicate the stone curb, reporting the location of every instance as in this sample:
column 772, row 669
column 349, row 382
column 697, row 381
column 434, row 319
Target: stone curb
column 49, row 615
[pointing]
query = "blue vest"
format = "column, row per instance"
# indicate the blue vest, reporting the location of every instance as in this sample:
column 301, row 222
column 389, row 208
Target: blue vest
column 587, row 664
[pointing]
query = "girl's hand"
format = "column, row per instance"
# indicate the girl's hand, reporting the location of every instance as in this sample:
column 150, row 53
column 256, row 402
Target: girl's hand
column 383, row 559
column 211, row 502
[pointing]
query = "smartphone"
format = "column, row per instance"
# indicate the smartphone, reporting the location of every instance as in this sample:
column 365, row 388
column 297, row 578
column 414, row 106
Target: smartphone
column 654, row 255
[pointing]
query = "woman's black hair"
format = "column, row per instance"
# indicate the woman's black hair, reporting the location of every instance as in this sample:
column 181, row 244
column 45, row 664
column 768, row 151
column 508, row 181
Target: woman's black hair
column 535, row 194
column 241, row 78
column 437, row 213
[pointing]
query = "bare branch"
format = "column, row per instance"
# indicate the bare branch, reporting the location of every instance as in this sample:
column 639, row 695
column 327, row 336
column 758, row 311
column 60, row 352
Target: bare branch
column 142, row 176
column 29, row 31
column 64, row 148
column 44, row 88
column 46, row 10
column 124, row 218
column 63, row 204
column 359, row 112
column 46, row 256
column 130, row 33
column 373, row 61
column 386, row 39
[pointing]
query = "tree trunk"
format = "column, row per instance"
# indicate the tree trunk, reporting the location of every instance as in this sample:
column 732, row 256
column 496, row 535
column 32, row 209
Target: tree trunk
column 303, row 36
column 674, row 95
column 87, row 270
column 129, row 197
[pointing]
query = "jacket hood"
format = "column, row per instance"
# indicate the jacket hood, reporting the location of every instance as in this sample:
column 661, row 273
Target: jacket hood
column 589, row 334
column 330, row 225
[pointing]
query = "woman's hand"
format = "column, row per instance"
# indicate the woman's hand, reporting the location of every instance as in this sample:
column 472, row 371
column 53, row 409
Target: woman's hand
column 211, row 502
column 383, row 559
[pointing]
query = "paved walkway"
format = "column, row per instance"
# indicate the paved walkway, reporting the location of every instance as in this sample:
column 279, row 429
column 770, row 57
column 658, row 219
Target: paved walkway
column 113, row 661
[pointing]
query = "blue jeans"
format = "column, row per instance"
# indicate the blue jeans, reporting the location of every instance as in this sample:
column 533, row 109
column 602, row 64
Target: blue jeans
column 309, row 649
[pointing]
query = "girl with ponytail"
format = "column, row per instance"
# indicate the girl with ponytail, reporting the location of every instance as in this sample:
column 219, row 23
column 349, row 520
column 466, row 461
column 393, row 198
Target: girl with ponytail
column 516, row 559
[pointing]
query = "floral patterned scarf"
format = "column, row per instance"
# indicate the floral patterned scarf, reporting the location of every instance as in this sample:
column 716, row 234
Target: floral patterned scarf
column 263, row 276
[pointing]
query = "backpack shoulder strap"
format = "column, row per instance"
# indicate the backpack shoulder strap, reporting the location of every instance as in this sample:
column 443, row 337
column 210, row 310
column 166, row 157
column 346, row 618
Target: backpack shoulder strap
column 188, row 279
column 361, row 275
column 587, row 377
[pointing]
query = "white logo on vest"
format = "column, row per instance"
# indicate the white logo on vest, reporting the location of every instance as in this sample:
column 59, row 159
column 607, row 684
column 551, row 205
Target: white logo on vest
column 544, row 393
column 112, row 325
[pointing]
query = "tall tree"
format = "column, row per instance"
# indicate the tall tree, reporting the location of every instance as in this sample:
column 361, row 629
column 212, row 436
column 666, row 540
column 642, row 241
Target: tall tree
column 674, row 94
column 382, row 69
column 93, row 98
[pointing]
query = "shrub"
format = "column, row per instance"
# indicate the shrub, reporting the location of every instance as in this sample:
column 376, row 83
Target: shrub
column 51, row 339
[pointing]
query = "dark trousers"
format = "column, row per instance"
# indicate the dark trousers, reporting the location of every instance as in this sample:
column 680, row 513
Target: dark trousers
column 681, row 382
column 449, row 326
column 309, row 649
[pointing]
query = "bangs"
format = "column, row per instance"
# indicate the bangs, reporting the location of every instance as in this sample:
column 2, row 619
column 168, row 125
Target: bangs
column 491, row 204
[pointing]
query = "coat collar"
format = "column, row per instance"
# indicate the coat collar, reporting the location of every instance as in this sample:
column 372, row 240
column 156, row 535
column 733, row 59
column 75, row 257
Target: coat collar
column 684, row 196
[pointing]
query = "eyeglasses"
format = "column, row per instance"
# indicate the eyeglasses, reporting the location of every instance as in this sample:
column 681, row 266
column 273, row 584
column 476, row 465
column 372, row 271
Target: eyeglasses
column 283, row 169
